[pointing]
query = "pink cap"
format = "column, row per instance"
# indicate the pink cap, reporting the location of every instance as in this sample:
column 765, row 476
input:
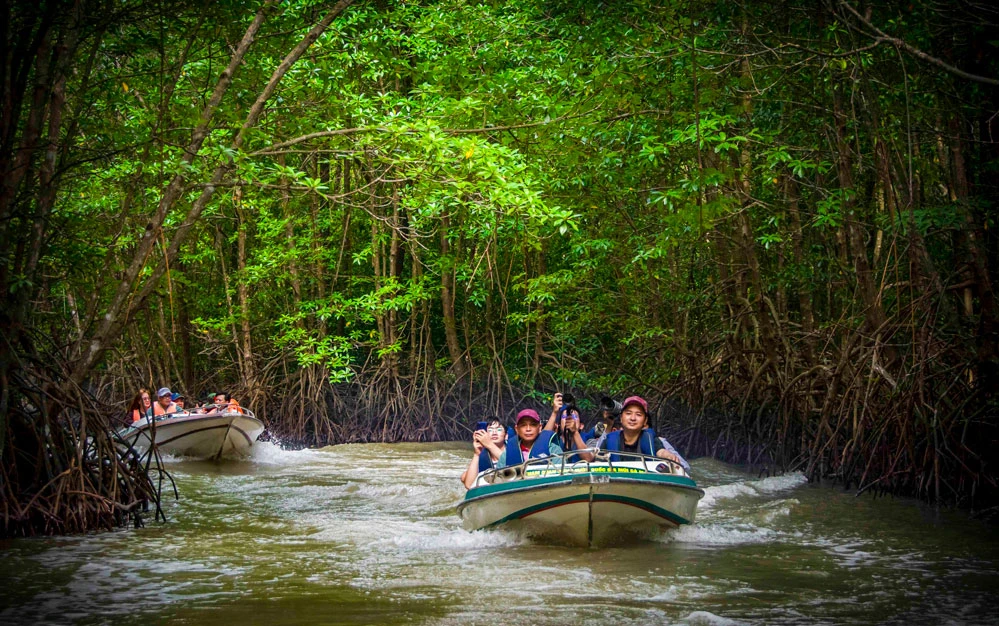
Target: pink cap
column 636, row 400
column 531, row 413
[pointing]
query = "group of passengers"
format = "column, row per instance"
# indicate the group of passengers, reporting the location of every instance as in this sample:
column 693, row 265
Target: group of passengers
column 170, row 403
column 496, row 447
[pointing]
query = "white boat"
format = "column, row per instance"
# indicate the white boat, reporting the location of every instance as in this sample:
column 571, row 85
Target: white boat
column 197, row 435
column 583, row 503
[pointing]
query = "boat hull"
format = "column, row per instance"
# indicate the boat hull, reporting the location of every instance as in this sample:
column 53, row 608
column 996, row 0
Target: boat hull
column 602, row 507
column 198, row 436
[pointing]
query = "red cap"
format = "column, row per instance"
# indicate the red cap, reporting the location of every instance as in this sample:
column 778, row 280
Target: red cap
column 636, row 400
column 531, row 413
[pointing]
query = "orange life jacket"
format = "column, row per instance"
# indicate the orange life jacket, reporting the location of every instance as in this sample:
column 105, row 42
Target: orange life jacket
column 158, row 409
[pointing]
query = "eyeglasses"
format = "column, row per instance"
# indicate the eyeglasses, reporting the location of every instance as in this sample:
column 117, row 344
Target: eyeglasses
column 495, row 429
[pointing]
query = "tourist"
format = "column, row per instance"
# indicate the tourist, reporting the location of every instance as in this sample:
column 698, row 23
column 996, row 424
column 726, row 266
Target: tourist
column 609, row 410
column 180, row 400
column 219, row 403
column 635, row 436
column 531, row 441
column 164, row 403
column 489, row 445
column 139, row 406
column 564, row 420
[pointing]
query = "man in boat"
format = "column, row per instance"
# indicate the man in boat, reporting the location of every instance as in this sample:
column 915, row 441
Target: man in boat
column 635, row 436
column 489, row 446
column 164, row 404
column 223, row 403
column 531, row 442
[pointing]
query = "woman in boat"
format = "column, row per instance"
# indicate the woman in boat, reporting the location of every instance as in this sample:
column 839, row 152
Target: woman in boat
column 140, row 404
column 565, row 421
column 489, row 445
column 531, row 442
column 635, row 436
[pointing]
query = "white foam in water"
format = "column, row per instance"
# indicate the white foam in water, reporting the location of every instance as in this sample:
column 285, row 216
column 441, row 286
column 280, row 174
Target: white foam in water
column 706, row 618
column 716, row 534
column 768, row 485
column 270, row 453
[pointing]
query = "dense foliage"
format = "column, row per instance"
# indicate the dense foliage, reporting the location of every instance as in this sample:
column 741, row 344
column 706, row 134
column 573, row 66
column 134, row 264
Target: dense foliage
column 385, row 218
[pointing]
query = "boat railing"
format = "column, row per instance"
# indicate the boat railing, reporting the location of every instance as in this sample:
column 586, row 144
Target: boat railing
column 560, row 464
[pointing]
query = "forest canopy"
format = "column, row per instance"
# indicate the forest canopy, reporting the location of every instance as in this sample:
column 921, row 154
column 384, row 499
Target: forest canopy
column 378, row 221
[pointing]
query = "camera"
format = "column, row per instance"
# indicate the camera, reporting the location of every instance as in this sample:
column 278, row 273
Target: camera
column 568, row 406
column 611, row 405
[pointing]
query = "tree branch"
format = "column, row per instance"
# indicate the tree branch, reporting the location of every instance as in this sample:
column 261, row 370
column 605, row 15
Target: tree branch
column 917, row 52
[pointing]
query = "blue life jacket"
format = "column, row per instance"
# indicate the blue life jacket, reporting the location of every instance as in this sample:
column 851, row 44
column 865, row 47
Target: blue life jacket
column 538, row 451
column 485, row 461
column 645, row 445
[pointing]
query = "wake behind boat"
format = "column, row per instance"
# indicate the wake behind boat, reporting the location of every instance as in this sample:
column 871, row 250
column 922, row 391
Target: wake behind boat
column 197, row 435
column 583, row 503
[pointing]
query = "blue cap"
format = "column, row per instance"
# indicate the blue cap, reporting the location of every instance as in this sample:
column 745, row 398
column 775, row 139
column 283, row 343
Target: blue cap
column 164, row 391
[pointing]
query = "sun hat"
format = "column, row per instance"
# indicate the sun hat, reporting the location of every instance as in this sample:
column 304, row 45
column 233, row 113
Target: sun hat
column 164, row 391
column 636, row 400
column 531, row 413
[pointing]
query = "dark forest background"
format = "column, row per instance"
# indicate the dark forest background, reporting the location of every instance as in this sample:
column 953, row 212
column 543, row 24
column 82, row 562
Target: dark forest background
column 378, row 221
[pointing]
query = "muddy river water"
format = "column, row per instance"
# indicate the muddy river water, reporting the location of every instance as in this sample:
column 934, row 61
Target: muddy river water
column 367, row 534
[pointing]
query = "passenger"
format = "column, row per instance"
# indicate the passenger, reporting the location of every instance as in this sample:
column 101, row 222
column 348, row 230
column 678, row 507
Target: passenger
column 557, row 403
column 609, row 409
column 570, row 436
column 489, row 446
column 139, row 406
column 164, row 404
column 180, row 400
column 635, row 436
column 531, row 442
column 220, row 401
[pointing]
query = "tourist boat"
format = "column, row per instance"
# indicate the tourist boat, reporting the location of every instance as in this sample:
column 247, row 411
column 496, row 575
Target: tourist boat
column 197, row 435
column 583, row 503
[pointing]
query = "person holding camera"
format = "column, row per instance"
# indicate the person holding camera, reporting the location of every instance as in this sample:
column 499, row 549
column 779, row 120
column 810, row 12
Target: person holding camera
column 565, row 421
column 609, row 410
column 489, row 444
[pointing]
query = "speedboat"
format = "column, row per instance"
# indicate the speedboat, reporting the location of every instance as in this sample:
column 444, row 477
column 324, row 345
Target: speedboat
column 583, row 503
column 229, row 433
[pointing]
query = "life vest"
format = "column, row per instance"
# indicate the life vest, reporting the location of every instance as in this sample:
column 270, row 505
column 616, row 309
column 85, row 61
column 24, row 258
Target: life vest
column 485, row 461
column 538, row 451
column 645, row 445
column 136, row 415
column 234, row 407
column 158, row 409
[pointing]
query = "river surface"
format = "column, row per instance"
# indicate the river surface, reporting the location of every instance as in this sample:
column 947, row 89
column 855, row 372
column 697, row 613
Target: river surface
column 367, row 534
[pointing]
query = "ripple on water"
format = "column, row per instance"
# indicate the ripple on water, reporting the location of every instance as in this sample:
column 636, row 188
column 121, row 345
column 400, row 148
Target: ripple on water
column 346, row 527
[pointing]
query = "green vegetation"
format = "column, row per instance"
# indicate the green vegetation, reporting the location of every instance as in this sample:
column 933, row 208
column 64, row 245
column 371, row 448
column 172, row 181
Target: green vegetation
column 376, row 220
